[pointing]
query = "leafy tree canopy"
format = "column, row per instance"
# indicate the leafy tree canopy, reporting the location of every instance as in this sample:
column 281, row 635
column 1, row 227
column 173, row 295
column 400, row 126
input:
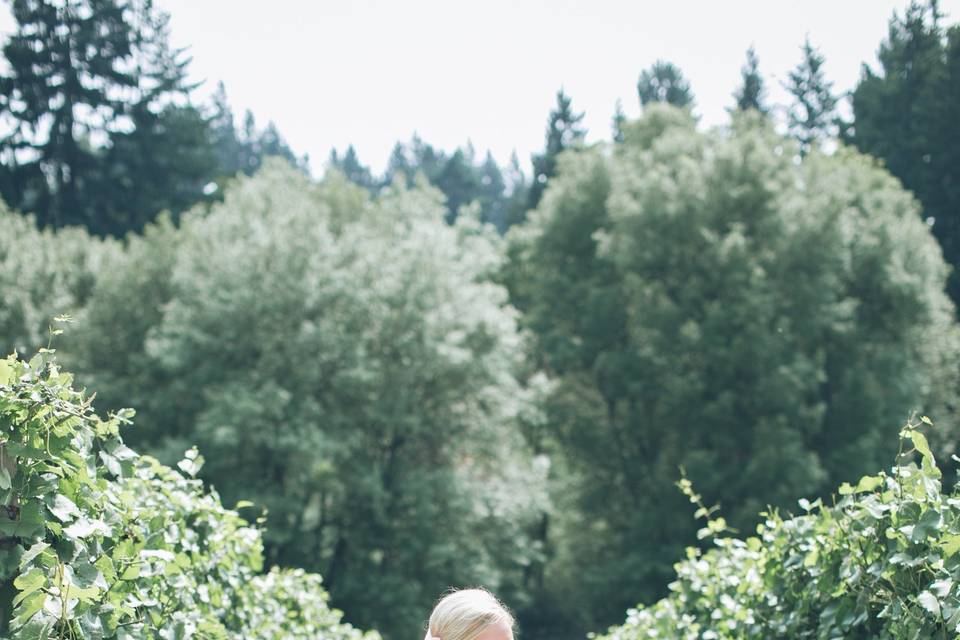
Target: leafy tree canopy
column 380, row 390
column 702, row 300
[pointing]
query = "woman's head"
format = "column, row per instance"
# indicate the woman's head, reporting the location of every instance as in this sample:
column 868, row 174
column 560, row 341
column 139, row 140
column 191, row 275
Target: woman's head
column 470, row 614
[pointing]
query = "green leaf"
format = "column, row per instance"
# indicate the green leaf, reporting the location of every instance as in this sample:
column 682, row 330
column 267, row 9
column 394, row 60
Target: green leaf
column 868, row 483
column 105, row 565
column 131, row 573
column 27, row 609
column 27, row 524
column 929, row 602
column 83, row 594
column 29, row 582
column 63, row 508
column 84, row 528
column 950, row 544
column 32, row 553
column 920, row 444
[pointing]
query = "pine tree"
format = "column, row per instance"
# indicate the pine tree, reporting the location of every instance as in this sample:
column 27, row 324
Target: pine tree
column 165, row 163
column 493, row 200
column 906, row 113
column 98, row 136
column 459, row 182
column 751, row 93
column 563, row 131
column 67, row 61
column 244, row 150
column 619, row 119
column 812, row 117
column 518, row 189
column 398, row 166
column 664, row 82
column 224, row 135
column 352, row 169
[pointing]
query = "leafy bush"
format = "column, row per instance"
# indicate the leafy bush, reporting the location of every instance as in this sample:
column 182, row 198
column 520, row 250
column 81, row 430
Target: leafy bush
column 98, row 542
column 882, row 562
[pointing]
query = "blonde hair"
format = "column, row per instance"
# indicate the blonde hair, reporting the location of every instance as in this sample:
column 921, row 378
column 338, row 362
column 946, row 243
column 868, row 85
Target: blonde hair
column 465, row 613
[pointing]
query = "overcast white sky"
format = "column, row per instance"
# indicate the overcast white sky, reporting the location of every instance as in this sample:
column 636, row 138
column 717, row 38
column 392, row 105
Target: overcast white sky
column 371, row 72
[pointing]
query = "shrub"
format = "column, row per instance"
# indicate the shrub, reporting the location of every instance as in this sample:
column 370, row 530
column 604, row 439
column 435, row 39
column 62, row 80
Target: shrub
column 882, row 562
column 99, row 542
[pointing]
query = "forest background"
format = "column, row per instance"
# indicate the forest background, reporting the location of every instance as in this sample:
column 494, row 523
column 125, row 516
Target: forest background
column 462, row 372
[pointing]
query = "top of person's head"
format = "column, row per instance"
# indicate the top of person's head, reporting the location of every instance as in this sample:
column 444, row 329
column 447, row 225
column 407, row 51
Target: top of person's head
column 464, row 614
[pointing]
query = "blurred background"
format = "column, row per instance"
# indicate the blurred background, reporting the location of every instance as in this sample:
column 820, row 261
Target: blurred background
column 452, row 291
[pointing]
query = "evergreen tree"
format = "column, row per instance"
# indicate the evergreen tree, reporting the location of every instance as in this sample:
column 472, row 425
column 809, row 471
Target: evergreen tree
column 165, row 163
column 66, row 66
column 223, row 133
column 664, row 82
column 906, row 113
column 79, row 70
column 812, row 116
column 458, row 175
column 563, row 131
column 398, row 166
column 751, row 93
column 426, row 159
column 493, row 201
column 619, row 119
column 518, row 189
column 459, row 181
column 352, row 169
column 243, row 150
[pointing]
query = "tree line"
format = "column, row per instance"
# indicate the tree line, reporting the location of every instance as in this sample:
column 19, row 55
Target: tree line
column 100, row 129
column 419, row 398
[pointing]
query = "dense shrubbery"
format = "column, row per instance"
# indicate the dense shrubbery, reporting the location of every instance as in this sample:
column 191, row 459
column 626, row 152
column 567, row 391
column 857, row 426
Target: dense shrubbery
column 98, row 542
column 882, row 562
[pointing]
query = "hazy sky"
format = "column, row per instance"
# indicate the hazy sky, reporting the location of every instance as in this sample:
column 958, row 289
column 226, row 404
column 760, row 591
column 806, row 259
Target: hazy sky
column 371, row 72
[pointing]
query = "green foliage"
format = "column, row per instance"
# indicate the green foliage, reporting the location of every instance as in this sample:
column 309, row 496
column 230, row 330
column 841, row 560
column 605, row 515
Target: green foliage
column 905, row 114
column 664, row 82
column 43, row 275
column 75, row 70
column 164, row 163
column 344, row 362
column 100, row 130
column 880, row 562
column 98, row 542
column 751, row 94
column 462, row 179
column 351, row 168
column 564, row 131
column 702, row 300
column 812, row 117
